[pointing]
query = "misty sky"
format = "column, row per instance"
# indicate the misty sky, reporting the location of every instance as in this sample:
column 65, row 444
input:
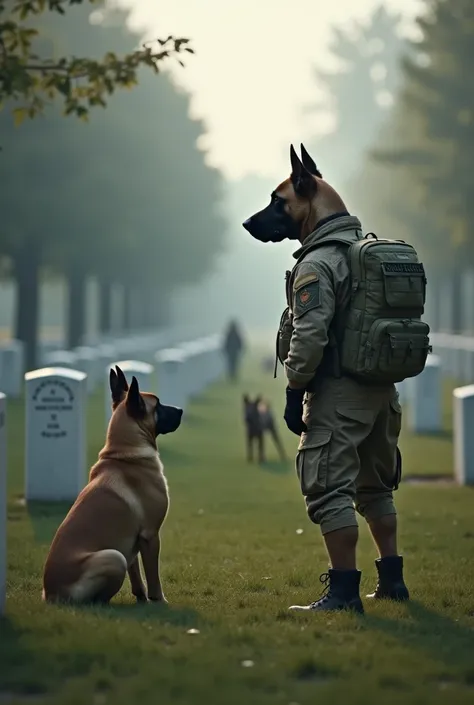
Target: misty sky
column 251, row 76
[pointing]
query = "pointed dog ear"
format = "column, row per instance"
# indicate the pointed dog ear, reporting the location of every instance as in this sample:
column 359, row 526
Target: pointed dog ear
column 122, row 377
column 135, row 404
column 118, row 386
column 304, row 183
column 309, row 162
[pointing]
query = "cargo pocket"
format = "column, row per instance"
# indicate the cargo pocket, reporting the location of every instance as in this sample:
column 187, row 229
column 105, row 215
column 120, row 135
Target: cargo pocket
column 312, row 460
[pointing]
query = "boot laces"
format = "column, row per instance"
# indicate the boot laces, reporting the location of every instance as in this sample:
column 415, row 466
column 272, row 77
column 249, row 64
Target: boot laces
column 324, row 579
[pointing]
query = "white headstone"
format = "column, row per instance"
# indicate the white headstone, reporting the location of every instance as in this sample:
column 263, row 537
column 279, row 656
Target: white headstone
column 12, row 364
column 193, row 366
column 425, row 399
column 214, row 361
column 47, row 346
column 404, row 391
column 61, row 358
column 3, row 500
column 88, row 361
column 107, row 353
column 468, row 366
column 463, row 423
column 131, row 368
column 55, row 443
column 465, row 360
column 172, row 377
column 445, row 299
column 458, row 361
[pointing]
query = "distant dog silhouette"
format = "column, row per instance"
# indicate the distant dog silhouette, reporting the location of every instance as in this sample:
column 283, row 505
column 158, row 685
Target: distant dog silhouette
column 258, row 421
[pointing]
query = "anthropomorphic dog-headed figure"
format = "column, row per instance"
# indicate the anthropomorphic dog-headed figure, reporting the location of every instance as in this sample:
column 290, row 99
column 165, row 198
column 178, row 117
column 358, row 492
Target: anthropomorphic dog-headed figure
column 118, row 515
column 347, row 456
column 259, row 420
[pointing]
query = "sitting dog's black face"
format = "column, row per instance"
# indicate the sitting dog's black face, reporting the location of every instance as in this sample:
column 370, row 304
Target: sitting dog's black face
column 167, row 418
column 145, row 408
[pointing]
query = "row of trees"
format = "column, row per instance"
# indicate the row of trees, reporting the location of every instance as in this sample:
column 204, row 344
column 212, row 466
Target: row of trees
column 424, row 156
column 404, row 133
column 358, row 94
column 127, row 198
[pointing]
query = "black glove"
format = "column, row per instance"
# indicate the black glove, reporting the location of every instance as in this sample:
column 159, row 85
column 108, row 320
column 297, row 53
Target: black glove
column 294, row 411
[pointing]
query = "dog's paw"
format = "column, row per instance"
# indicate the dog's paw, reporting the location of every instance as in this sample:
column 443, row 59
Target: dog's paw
column 141, row 599
column 161, row 599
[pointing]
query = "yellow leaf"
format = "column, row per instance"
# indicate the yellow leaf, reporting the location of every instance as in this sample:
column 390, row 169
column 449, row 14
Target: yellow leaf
column 19, row 115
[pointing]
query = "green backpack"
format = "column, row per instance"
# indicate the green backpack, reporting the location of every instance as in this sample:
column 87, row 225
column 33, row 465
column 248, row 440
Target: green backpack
column 382, row 338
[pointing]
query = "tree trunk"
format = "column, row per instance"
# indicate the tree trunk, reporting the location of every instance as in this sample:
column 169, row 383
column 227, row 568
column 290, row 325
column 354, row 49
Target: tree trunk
column 147, row 307
column 127, row 304
column 26, row 265
column 160, row 309
column 105, row 306
column 76, row 318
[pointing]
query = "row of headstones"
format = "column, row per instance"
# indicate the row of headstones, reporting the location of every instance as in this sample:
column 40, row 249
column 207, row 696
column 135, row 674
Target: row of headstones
column 422, row 397
column 55, row 429
column 90, row 359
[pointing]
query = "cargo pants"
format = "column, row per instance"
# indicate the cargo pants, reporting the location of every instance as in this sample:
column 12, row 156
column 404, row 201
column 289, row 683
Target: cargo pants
column 346, row 462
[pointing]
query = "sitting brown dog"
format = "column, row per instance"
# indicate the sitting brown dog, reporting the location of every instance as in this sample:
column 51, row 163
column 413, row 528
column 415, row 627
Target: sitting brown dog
column 119, row 513
column 259, row 420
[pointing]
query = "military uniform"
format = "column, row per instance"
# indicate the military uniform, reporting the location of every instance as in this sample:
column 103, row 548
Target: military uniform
column 346, row 460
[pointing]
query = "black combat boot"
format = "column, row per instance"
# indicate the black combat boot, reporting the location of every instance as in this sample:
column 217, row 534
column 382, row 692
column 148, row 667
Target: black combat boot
column 391, row 585
column 341, row 592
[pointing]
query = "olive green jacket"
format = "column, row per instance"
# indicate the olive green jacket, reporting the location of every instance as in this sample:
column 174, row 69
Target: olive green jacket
column 318, row 290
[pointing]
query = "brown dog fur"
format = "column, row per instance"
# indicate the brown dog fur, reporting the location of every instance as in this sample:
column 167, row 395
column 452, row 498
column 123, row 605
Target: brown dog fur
column 308, row 198
column 119, row 513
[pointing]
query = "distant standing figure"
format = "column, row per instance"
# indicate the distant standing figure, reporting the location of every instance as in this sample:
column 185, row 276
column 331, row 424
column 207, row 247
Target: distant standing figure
column 233, row 349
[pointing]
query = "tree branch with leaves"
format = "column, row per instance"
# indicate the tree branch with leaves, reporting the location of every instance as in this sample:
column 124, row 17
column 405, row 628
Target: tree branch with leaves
column 31, row 81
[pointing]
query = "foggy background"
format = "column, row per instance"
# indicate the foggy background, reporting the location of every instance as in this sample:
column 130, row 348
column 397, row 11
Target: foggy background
column 133, row 220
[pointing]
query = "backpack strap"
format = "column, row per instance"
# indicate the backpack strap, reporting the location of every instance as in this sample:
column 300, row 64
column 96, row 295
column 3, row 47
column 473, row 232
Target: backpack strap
column 325, row 241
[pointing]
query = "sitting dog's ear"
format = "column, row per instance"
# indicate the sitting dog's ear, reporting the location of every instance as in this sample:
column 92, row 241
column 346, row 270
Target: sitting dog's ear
column 246, row 399
column 122, row 378
column 303, row 182
column 118, row 386
column 135, row 404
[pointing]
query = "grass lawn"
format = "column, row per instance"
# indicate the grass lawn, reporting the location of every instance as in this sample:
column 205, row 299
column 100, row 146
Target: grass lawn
column 233, row 560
